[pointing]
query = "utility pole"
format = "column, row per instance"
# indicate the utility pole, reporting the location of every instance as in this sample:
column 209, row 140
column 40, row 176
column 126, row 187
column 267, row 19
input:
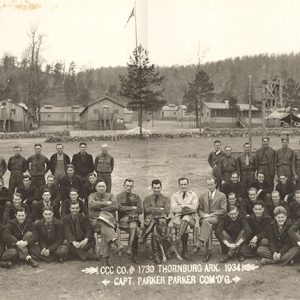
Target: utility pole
column 250, row 111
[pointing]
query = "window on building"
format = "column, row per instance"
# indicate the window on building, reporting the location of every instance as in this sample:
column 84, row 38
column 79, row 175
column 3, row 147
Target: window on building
column 13, row 111
column 49, row 116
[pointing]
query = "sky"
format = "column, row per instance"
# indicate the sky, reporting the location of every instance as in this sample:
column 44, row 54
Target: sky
column 175, row 32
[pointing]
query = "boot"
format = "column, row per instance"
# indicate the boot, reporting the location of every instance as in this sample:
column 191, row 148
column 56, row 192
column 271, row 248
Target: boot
column 135, row 252
column 185, row 252
column 267, row 261
column 5, row 264
column 33, row 263
column 132, row 235
column 118, row 245
column 148, row 230
column 182, row 229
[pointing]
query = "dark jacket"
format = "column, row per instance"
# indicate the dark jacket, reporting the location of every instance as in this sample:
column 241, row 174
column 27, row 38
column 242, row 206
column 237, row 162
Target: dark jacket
column 37, row 210
column 30, row 194
column 265, row 187
column 17, row 231
column 55, row 195
column 83, row 164
column 4, row 235
column 259, row 226
column 125, row 203
column 66, row 184
column 38, row 165
column 279, row 241
column 270, row 206
column 10, row 212
column 3, row 167
column 214, row 159
column 53, row 161
column 294, row 232
column 266, row 157
column 4, row 196
column 236, row 188
column 294, row 209
column 49, row 238
column 17, row 164
column 77, row 232
column 246, row 206
column 287, row 189
column 233, row 228
column 88, row 189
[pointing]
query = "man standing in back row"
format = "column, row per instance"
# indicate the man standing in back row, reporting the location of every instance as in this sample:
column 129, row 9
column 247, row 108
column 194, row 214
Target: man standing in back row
column 104, row 165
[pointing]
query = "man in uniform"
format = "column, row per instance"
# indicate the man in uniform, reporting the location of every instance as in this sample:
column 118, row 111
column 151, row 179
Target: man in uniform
column 17, row 165
column 83, row 161
column 104, row 165
column 102, row 205
column 58, row 163
column 38, row 166
column 130, row 207
column 50, row 237
column 212, row 206
column 265, row 160
column 184, row 204
column 247, row 167
column 214, row 160
column 285, row 161
column 228, row 165
column 20, row 237
column 78, row 232
column 156, row 202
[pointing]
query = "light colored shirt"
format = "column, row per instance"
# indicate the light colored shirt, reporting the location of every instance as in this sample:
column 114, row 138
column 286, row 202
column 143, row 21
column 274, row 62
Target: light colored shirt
column 177, row 201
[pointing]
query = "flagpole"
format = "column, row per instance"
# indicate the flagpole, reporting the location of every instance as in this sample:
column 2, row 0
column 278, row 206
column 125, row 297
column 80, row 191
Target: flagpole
column 135, row 24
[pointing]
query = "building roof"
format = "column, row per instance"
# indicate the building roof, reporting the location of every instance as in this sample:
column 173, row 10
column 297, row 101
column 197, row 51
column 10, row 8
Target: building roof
column 170, row 107
column 99, row 100
column 61, row 109
column 221, row 105
column 23, row 105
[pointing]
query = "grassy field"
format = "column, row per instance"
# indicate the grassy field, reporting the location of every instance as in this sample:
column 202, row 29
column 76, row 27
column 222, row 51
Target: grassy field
column 143, row 161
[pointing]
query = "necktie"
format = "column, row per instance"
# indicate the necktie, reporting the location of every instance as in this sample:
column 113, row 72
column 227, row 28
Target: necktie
column 247, row 160
column 127, row 199
column 183, row 195
column 209, row 201
column 156, row 199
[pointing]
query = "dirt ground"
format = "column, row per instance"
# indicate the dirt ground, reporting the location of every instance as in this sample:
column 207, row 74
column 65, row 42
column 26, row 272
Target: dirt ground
column 143, row 161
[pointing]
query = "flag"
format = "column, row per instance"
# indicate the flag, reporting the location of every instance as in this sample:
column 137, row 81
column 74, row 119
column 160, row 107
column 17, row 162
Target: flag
column 131, row 15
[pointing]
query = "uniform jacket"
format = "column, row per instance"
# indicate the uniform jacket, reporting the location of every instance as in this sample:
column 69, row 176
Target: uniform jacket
column 17, row 164
column 229, row 165
column 38, row 165
column 104, row 163
column 218, row 206
column 53, row 161
column 124, row 206
column 266, row 157
column 83, row 164
column 285, row 157
column 49, row 238
column 242, row 162
column 150, row 206
column 77, row 231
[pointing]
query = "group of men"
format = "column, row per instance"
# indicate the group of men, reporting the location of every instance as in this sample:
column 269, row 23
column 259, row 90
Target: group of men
column 52, row 220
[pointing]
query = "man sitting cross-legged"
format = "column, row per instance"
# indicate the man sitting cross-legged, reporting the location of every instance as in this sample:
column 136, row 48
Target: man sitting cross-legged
column 20, row 236
column 280, row 249
column 232, row 231
column 258, row 222
column 50, row 237
column 78, row 232
column 102, row 205
column 184, row 204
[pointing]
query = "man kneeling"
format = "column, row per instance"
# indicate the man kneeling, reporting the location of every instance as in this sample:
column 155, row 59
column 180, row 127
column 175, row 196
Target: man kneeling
column 50, row 235
column 232, row 231
column 78, row 232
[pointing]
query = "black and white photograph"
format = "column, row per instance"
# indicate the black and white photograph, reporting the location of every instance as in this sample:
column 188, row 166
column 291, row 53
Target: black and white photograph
column 149, row 149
